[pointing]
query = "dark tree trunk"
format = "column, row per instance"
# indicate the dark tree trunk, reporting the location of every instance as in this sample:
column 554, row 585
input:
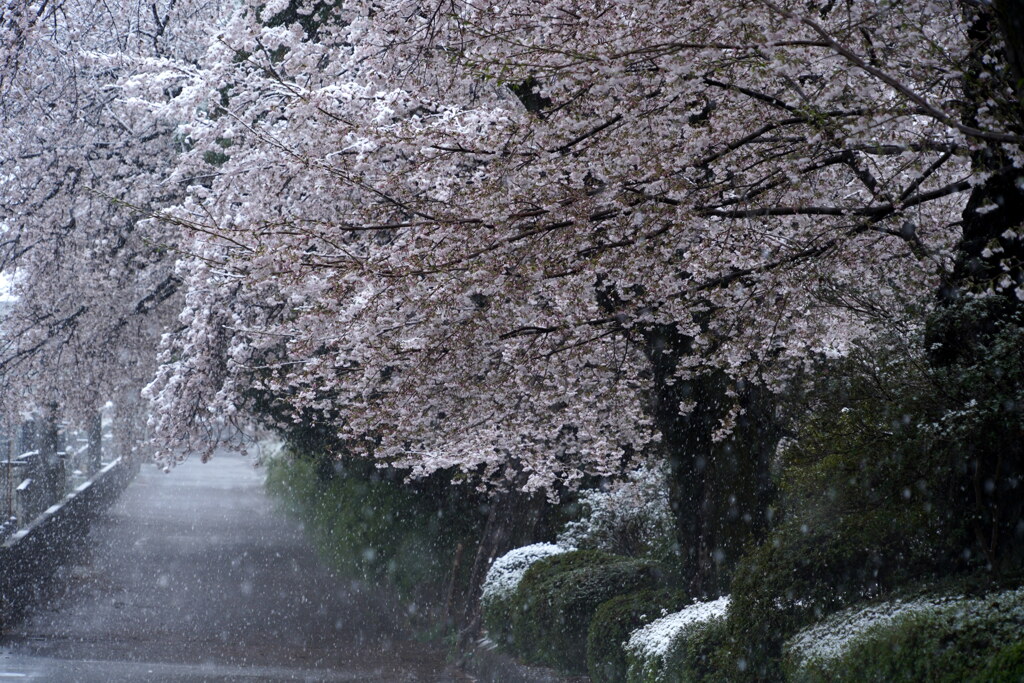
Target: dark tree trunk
column 51, row 457
column 991, row 253
column 513, row 519
column 720, row 491
column 963, row 335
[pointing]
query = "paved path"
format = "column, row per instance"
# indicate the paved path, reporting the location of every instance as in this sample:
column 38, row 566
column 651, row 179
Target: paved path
column 193, row 576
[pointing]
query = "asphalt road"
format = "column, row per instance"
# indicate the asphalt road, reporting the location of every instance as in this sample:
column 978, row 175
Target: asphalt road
column 193, row 576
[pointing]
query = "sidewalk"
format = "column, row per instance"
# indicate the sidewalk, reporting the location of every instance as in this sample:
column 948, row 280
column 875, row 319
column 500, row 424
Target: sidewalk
column 192, row 576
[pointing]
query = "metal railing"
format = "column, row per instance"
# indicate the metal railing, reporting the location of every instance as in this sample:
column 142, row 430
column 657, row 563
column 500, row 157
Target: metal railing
column 43, row 462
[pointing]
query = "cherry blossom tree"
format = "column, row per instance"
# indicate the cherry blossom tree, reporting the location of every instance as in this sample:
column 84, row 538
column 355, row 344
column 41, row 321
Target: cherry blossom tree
column 528, row 242
column 93, row 285
column 463, row 233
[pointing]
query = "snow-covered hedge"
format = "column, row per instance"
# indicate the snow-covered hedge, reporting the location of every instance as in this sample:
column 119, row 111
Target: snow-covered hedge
column 501, row 582
column 616, row 619
column 828, row 640
column 631, row 517
column 654, row 651
column 507, row 571
column 948, row 637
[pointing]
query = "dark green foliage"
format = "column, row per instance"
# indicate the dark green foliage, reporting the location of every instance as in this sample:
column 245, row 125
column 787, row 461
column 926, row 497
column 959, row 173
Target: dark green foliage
column 370, row 525
column 557, row 597
column 952, row 644
column 977, row 347
column 864, row 501
column 902, row 472
column 615, row 619
column 215, row 157
column 1005, row 666
column 697, row 657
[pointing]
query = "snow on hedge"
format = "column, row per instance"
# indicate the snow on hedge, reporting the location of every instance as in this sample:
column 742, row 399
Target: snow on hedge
column 507, row 571
column 655, row 639
column 830, row 639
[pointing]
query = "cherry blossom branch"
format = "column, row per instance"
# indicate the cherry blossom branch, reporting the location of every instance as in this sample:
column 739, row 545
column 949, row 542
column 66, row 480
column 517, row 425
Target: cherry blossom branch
column 895, row 83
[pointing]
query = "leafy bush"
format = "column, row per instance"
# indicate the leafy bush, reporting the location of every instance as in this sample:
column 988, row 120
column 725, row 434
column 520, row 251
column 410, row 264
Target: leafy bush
column 507, row 571
column 501, row 582
column 557, row 597
column 370, row 525
column 631, row 517
column 896, row 475
column 977, row 352
column 950, row 639
column 678, row 647
column 1005, row 666
column 698, row 656
column 615, row 619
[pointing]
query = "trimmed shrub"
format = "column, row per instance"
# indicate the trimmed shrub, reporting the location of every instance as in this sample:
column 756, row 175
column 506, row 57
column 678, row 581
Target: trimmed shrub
column 1005, row 666
column 557, row 597
column 697, row 657
column 501, row 582
column 678, row 647
column 934, row 639
column 615, row 620
column 905, row 469
column 874, row 497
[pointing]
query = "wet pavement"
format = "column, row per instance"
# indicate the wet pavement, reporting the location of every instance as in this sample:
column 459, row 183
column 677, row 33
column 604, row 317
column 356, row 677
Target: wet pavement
column 194, row 576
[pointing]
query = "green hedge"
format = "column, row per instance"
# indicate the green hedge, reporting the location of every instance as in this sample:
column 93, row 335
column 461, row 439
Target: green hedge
column 496, row 600
column 615, row 619
column 696, row 657
column 871, row 502
column 682, row 653
column 1005, row 666
column 370, row 525
column 552, row 608
column 975, row 639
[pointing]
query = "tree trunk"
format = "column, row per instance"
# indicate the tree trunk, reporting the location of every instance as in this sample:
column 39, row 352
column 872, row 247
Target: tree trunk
column 513, row 519
column 989, row 262
column 52, row 460
column 991, row 253
column 719, row 490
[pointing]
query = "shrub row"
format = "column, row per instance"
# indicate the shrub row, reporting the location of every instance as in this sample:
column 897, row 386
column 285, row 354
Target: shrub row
column 547, row 618
column 370, row 526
